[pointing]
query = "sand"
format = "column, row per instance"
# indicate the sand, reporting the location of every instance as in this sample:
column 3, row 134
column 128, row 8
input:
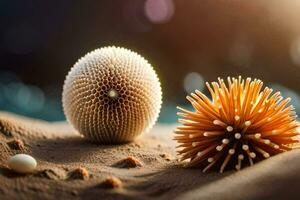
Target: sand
column 69, row 166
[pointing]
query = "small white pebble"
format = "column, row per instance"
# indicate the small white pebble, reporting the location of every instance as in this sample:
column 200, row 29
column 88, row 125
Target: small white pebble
column 22, row 163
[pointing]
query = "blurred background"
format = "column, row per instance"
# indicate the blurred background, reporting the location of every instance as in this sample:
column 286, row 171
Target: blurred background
column 188, row 42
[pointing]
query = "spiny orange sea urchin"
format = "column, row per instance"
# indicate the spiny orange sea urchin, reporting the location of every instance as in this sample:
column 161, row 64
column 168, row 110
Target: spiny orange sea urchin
column 241, row 125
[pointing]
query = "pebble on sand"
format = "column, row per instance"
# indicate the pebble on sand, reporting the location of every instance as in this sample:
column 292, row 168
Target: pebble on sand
column 80, row 173
column 22, row 163
column 129, row 162
column 16, row 144
column 112, row 183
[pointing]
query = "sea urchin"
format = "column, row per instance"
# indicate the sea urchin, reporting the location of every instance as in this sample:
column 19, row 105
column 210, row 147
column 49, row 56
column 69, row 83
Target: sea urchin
column 112, row 95
column 241, row 125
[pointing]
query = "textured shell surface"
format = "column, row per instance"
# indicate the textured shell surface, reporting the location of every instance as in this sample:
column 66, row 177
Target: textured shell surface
column 112, row 95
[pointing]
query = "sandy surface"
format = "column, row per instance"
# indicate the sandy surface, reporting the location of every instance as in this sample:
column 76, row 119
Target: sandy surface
column 59, row 151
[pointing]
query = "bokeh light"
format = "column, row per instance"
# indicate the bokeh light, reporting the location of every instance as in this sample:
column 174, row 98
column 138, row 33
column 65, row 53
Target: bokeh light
column 134, row 17
column 295, row 51
column 240, row 52
column 193, row 81
column 26, row 98
column 159, row 11
column 29, row 100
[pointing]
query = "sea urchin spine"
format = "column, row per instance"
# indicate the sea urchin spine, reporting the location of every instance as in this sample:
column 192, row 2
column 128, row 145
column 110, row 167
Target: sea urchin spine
column 241, row 125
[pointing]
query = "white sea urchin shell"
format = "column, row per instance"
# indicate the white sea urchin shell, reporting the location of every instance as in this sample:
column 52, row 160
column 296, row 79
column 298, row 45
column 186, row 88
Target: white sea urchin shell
column 112, row 95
